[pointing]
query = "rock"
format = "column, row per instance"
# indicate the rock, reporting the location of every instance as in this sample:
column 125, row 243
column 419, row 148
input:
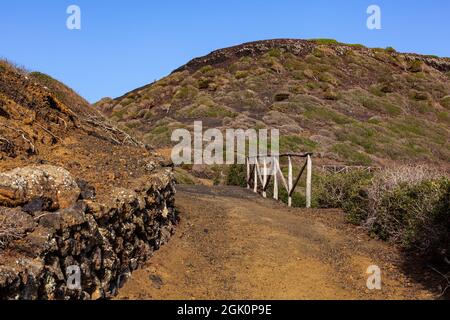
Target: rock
column 51, row 221
column 24, row 185
column 97, row 259
column 72, row 217
column 37, row 205
column 151, row 166
column 87, row 191
column 107, row 241
column 14, row 224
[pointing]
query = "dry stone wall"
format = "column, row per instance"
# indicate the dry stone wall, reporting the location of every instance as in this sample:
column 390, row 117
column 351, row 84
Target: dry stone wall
column 47, row 245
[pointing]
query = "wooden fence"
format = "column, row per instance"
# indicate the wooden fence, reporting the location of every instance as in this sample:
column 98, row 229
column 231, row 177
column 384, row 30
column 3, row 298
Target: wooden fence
column 346, row 169
column 261, row 169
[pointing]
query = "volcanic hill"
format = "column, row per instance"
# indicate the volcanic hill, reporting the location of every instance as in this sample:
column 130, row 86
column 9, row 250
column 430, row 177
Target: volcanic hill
column 347, row 103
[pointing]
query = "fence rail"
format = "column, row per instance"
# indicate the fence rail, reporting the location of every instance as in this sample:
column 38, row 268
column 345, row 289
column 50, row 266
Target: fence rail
column 262, row 169
column 346, row 169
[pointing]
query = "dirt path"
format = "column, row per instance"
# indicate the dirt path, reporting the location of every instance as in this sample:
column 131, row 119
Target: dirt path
column 231, row 244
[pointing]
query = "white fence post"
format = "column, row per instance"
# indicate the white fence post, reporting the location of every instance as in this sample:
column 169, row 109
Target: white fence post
column 309, row 182
column 248, row 172
column 255, row 189
column 265, row 177
column 275, row 178
column 290, row 182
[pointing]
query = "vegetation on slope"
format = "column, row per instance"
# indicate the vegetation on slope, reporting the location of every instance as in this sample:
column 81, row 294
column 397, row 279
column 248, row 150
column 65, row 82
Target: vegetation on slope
column 349, row 104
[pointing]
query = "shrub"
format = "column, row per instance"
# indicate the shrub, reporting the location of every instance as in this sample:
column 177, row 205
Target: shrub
column 203, row 83
column 332, row 95
column 291, row 143
column 276, row 53
column 345, row 190
column 298, row 199
column 414, row 215
column 415, row 66
column 241, row 75
column 390, row 179
column 391, row 50
column 186, row 93
column 351, row 154
column 281, row 96
column 445, row 102
column 183, row 177
column 408, row 205
column 325, row 41
column 237, row 176
column 444, row 117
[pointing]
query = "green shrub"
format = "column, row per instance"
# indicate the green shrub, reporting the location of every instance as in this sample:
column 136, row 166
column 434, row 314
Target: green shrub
column 276, row 53
column 418, row 95
column 380, row 105
column 391, row 50
column 416, row 216
column 186, row 93
column 183, row 177
column 281, row 96
column 298, row 199
column 351, row 154
column 241, row 74
column 295, row 144
column 237, row 175
column 325, row 41
column 415, row 66
column 344, row 190
column 444, row 117
column 445, row 102
column 203, row 83
column 314, row 112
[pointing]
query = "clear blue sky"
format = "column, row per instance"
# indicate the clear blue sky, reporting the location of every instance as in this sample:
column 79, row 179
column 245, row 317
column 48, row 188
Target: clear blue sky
column 126, row 44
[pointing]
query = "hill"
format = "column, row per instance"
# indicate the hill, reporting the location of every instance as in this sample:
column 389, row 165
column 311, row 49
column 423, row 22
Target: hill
column 74, row 191
column 347, row 103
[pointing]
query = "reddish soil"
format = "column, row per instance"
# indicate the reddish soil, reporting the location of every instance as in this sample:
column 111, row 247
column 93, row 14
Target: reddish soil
column 232, row 244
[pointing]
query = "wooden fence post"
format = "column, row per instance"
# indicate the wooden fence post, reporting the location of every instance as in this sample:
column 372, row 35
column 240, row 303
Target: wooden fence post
column 290, row 182
column 275, row 178
column 264, row 177
column 309, row 182
column 255, row 188
column 248, row 172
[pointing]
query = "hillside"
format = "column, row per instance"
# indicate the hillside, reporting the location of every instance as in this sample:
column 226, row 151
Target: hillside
column 347, row 103
column 74, row 191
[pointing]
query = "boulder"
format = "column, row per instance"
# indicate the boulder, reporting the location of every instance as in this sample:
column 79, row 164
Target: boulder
column 22, row 186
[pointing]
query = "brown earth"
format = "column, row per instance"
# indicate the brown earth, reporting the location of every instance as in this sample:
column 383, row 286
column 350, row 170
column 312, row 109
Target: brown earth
column 44, row 122
column 232, row 244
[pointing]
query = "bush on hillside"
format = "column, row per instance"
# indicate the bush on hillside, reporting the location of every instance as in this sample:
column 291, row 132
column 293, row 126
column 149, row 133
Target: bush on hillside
column 345, row 190
column 408, row 205
column 416, row 216
column 236, row 176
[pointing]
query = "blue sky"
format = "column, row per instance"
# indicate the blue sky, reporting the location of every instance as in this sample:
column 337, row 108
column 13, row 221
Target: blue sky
column 126, row 44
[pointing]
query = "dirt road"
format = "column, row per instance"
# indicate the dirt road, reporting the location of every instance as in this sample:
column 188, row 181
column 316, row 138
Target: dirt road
column 232, row 244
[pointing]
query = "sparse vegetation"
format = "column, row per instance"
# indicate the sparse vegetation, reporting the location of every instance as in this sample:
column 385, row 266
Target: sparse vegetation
column 366, row 106
column 352, row 155
column 236, row 175
column 407, row 205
